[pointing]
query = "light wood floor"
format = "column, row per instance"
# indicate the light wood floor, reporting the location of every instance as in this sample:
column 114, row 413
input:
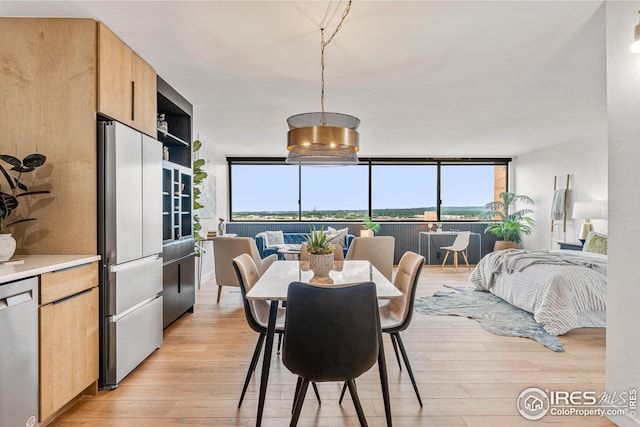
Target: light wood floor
column 467, row 377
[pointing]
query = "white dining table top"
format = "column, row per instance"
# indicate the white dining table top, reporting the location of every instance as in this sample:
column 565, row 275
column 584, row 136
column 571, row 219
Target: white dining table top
column 273, row 284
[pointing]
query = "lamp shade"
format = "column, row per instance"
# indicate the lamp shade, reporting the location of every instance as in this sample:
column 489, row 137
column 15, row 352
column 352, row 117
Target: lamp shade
column 587, row 210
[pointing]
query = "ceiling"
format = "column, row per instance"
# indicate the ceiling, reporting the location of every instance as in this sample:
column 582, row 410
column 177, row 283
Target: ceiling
column 427, row 78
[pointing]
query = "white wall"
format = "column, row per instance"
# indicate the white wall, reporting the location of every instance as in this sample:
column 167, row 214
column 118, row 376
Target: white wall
column 585, row 162
column 623, row 93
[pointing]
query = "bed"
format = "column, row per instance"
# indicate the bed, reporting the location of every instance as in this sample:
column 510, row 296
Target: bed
column 563, row 289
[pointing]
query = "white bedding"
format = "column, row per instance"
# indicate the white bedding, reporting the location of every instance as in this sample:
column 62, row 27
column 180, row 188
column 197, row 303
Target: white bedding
column 562, row 289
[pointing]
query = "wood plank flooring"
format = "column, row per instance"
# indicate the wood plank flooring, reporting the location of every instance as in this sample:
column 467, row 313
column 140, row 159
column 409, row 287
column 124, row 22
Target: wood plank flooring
column 467, row 376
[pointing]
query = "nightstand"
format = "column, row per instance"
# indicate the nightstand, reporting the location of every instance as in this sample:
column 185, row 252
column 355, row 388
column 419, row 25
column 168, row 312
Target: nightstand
column 572, row 246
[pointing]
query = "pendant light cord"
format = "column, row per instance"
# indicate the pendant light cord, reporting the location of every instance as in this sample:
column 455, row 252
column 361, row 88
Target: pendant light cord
column 323, row 45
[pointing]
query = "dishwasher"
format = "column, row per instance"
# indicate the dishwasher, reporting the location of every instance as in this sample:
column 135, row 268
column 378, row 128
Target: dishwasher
column 19, row 353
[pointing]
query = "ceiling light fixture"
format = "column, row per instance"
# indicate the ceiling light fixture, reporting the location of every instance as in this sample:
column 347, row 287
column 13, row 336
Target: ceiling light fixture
column 321, row 138
column 635, row 46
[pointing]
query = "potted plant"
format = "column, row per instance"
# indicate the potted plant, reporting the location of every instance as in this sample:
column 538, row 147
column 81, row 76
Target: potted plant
column 370, row 227
column 10, row 196
column 509, row 225
column 320, row 252
column 199, row 175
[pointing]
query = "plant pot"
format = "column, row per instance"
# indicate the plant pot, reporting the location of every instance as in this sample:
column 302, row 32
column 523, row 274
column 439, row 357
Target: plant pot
column 321, row 265
column 366, row 233
column 7, row 246
column 501, row 245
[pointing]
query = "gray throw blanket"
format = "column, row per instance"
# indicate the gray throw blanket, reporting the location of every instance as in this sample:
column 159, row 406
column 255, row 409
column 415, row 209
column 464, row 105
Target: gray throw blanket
column 511, row 260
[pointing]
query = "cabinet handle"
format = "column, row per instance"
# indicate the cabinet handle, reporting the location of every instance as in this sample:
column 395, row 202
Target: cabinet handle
column 72, row 296
column 179, row 278
column 133, row 100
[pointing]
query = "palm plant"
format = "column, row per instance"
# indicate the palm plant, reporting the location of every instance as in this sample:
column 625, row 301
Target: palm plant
column 317, row 243
column 509, row 226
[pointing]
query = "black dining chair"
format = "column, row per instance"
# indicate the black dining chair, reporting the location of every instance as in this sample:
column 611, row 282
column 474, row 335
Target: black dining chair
column 329, row 338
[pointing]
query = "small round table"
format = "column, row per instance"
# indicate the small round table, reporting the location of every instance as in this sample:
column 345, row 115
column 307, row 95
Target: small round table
column 293, row 251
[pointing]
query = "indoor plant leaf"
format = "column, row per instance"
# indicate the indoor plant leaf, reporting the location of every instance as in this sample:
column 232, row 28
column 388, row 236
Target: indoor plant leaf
column 34, row 160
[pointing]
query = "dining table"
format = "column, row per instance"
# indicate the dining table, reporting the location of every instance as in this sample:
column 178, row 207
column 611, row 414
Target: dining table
column 272, row 286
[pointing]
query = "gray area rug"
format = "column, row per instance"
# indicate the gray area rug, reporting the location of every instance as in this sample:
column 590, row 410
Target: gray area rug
column 494, row 314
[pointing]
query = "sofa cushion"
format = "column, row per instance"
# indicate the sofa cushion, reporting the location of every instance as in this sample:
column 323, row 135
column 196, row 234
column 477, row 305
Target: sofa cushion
column 342, row 233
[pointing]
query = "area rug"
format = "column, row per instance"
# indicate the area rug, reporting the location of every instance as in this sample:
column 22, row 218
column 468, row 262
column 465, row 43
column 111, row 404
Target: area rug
column 494, row 314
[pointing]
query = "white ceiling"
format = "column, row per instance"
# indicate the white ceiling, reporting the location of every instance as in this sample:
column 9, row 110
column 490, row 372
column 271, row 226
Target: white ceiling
column 427, row 78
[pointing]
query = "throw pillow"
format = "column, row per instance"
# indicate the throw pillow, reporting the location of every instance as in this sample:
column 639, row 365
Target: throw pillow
column 274, row 238
column 343, row 235
column 596, row 243
column 333, row 238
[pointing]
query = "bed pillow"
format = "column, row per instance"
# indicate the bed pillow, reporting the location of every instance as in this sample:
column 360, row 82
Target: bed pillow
column 343, row 235
column 274, row 239
column 596, row 243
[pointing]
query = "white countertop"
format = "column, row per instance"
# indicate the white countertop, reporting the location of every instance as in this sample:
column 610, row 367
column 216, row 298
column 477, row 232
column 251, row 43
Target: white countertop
column 38, row 264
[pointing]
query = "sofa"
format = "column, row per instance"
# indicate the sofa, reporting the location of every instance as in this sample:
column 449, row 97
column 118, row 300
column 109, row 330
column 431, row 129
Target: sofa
column 290, row 239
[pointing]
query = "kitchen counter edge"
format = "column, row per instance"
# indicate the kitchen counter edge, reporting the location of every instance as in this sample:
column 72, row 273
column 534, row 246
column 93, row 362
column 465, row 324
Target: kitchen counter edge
column 39, row 264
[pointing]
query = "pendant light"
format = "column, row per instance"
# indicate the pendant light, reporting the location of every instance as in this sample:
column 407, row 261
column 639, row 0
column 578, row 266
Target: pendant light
column 321, row 138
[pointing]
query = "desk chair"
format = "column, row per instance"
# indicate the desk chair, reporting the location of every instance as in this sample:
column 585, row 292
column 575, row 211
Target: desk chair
column 225, row 249
column 329, row 338
column 377, row 250
column 460, row 244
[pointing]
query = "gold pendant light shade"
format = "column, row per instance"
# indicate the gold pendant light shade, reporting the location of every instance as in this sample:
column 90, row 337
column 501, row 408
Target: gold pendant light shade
column 322, row 139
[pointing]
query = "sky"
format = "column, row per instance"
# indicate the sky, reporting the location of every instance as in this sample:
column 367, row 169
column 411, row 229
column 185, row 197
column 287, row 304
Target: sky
column 275, row 187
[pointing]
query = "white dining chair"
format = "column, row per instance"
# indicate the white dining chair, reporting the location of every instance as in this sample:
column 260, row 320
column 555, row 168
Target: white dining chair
column 460, row 244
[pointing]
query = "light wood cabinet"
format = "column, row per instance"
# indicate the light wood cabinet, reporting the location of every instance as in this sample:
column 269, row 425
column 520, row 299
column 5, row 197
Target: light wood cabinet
column 57, row 77
column 68, row 337
column 126, row 84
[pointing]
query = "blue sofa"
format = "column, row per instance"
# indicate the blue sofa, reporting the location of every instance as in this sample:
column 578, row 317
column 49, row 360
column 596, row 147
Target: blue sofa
column 291, row 239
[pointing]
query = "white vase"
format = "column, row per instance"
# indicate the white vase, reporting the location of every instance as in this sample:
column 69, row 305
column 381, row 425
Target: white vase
column 321, row 265
column 366, row 233
column 7, row 246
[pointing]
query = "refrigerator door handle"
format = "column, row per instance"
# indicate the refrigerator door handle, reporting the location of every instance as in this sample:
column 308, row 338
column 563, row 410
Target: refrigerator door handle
column 132, row 264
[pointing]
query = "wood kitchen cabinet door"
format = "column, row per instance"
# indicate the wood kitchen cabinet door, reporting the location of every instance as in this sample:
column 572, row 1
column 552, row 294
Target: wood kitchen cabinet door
column 126, row 84
column 68, row 350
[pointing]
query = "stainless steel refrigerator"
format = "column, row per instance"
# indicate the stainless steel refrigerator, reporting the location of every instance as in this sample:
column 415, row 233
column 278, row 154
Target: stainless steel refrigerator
column 130, row 242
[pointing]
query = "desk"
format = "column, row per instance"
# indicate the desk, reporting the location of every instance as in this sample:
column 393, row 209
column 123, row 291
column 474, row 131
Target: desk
column 445, row 233
column 273, row 285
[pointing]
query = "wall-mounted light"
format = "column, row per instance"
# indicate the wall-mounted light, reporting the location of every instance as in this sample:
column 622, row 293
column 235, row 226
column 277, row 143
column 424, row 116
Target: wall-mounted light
column 635, row 46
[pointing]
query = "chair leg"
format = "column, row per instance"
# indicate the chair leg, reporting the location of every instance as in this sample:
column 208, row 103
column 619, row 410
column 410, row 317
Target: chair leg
column 344, row 389
column 455, row 260
column 395, row 350
column 445, row 260
column 252, row 366
column 219, row 292
column 356, row 402
column 279, row 342
column 408, row 365
column 295, row 394
column 299, row 400
column 466, row 260
column 315, row 390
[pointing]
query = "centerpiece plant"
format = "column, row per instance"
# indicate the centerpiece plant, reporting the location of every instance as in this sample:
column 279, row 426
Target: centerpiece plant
column 320, row 252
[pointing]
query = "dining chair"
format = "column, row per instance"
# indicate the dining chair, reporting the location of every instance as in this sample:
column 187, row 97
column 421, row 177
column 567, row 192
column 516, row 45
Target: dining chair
column 225, row 249
column 328, row 338
column 338, row 253
column 395, row 316
column 256, row 313
column 460, row 244
column 377, row 250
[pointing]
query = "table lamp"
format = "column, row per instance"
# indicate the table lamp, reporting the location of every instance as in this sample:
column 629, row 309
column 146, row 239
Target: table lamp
column 586, row 211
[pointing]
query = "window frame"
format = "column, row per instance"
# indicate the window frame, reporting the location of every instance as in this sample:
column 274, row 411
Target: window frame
column 368, row 162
